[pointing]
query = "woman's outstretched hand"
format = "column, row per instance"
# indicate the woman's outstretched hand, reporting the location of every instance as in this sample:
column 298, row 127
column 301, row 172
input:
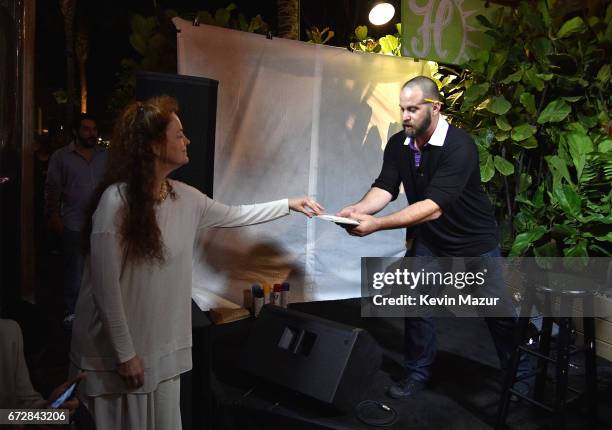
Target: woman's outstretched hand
column 306, row 205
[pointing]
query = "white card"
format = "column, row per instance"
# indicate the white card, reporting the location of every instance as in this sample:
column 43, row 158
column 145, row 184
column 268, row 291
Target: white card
column 339, row 219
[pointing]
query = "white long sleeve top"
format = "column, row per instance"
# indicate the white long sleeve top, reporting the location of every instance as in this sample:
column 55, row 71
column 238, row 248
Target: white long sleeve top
column 127, row 309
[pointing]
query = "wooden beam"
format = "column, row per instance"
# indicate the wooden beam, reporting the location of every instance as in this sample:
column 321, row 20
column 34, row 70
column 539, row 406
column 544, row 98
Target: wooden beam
column 27, row 140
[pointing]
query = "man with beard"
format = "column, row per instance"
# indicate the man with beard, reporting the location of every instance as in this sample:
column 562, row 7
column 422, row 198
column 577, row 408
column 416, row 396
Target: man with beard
column 449, row 215
column 74, row 173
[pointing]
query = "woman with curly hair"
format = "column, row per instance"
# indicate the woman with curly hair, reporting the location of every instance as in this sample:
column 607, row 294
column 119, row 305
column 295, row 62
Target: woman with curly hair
column 132, row 332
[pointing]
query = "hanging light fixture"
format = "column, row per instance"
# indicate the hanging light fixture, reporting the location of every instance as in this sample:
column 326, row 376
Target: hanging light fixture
column 381, row 13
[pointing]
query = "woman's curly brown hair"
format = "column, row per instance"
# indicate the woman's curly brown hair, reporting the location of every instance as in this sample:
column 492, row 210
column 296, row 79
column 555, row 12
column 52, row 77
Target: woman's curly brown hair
column 132, row 161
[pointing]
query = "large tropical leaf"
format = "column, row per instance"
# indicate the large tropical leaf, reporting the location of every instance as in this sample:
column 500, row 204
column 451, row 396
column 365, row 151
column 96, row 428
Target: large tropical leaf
column 522, row 132
column 498, row 105
column 578, row 256
column 545, row 253
column 487, row 169
column 579, row 146
column 568, row 199
column 503, row 166
column 513, row 77
column 523, row 241
column 574, row 25
column 528, row 102
column 558, row 168
column 474, row 92
column 555, row 111
column 531, row 77
column 388, row 44
column 502, row 123
column 361, row 32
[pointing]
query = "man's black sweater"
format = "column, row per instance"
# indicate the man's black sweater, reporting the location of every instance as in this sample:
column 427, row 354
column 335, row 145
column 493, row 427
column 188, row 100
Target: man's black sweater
column 450, row 176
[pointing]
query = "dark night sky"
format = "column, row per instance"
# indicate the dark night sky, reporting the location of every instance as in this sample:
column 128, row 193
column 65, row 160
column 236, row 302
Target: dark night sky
column 108, row 23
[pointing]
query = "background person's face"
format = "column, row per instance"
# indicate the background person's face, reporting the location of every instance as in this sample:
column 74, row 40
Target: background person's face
column 87, row 134
column 416, row 113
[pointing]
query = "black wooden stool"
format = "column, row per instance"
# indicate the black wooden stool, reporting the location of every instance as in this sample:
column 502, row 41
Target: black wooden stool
column 567, row 296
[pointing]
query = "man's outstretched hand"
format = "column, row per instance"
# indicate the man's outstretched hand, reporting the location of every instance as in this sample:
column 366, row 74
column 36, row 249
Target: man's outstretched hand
column 367, row 225
column 347, row 212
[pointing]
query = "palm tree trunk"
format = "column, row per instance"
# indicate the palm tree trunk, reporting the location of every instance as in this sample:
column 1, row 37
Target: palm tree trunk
column 82, row 49
column 68, row 8
column 288, row 19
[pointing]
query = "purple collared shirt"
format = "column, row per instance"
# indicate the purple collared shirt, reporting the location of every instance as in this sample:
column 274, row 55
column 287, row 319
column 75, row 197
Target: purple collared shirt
column 71, row 182
column 436, row 139
column 416, row 152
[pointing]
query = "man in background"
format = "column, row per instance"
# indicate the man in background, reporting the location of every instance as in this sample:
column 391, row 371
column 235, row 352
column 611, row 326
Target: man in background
column 74, row 173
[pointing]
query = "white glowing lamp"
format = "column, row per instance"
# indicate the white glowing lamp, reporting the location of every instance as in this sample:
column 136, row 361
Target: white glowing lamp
column 381, row 13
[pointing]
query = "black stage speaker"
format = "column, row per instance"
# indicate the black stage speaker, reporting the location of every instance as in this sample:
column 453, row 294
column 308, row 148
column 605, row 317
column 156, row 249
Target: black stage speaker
column 326, row 360
column 197, row 98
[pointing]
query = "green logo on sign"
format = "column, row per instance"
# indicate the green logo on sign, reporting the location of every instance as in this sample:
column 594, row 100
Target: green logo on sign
column 443, row 30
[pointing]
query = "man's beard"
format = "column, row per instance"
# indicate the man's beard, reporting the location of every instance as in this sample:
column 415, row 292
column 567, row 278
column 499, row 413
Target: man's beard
column 87, row 143
column 416, row 132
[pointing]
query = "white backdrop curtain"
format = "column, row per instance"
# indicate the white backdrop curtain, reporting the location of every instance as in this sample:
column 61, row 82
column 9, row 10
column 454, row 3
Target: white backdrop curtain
column 293, row 118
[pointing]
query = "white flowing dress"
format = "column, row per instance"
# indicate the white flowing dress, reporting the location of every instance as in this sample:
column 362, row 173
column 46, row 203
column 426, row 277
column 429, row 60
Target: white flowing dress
column 126, row 309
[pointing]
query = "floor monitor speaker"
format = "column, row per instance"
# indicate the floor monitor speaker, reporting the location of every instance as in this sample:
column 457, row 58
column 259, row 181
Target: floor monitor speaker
column 323, row 359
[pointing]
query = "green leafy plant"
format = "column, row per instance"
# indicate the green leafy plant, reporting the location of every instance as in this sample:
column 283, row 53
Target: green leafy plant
column 319, row 36
column 388, row 45
column 153, row 38
column 538, row 105
column 230, row 17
